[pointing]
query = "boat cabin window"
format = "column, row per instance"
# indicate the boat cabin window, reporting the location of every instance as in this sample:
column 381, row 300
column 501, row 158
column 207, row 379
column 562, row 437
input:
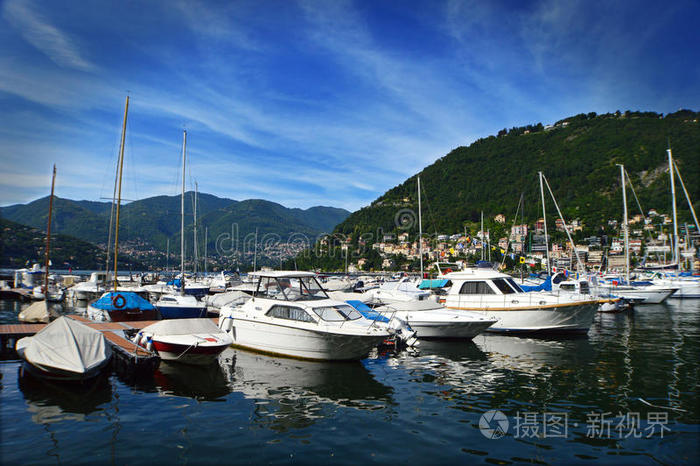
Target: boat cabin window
column 290, row 289
column 337, row 313
column 585, row 289
column 503, row 286
column 567, row 287
column 514, row 285
column 290, row 313
column 476, row 288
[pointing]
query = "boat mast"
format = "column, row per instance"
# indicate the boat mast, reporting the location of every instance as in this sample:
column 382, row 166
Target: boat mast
column 625, row 223
column 119, row 193
column 420, row 232
column 687, row 196
column 111, row 222
column 182, row 217
column 482, row 235
column 544, row 217
column 196, row 252
column 48, row 237
column 206, row 234
column 255, row 254
column 676, row 249
column 167, row 254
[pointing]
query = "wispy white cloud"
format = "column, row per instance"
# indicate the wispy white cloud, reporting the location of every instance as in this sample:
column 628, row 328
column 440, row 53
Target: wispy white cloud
column 47, row 38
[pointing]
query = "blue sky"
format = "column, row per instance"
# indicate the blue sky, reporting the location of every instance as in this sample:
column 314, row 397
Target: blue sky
column 312, row 102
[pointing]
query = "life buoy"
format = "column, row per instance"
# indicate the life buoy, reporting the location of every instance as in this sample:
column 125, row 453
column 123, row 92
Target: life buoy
column 118, row 301
column 448, row 270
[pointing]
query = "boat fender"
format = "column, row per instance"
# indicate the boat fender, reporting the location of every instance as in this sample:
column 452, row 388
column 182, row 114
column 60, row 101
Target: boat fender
column 149, row 342
column 118, row 301
column 226, row 323
column 137, row 338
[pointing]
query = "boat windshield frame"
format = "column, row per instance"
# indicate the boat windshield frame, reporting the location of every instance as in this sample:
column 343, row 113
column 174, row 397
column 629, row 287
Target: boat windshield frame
column 293, row 289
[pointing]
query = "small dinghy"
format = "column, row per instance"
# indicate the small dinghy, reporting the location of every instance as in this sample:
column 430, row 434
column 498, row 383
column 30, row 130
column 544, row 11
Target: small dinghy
column 190, row 341
column 65, row 350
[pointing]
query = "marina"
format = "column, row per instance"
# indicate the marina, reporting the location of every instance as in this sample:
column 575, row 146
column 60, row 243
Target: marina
column 423, row 406
column 349, row 232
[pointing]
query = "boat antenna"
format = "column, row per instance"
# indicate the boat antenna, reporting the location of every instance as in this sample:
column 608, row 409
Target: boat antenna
column 119, row 193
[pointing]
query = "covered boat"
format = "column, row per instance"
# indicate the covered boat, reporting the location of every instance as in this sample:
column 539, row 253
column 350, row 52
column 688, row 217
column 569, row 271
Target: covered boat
column 190, row 341
column 65, row 350
column 122, row 306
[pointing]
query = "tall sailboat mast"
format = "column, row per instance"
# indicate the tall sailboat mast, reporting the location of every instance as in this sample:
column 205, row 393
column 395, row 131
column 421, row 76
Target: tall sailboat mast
column 48, row 237
column 119, row 192
column 676, row 246
column 420, row 232
column 625, row 223
column 544, row 218
column 196, row 248
column 182, row 216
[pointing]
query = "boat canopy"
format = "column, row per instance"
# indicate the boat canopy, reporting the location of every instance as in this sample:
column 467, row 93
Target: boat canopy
column 122, row 300
column 432, row 284
column 366, row 311
column 67, row 345
column 544, row 286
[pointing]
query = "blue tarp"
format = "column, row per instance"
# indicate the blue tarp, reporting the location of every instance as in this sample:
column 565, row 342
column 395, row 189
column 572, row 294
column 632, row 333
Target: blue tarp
column 366, row 311
column 130, row 299
column 544, row 286
column 430, row 284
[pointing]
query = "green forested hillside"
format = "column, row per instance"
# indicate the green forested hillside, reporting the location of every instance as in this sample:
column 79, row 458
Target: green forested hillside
column 21, row 245
column 578, row 156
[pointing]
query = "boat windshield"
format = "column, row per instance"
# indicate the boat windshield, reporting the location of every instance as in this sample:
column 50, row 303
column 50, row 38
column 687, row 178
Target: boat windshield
column 338, row 313
column 515, row 286
column 290, row 289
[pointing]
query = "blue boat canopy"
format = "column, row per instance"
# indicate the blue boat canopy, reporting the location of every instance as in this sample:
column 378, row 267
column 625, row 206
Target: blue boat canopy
column 544, row 286
column 431, row 284
column 122, row 300
column 366, row 311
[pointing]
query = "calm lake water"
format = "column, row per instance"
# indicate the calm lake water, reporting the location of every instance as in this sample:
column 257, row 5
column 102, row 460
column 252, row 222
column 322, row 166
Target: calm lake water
column 583, row 400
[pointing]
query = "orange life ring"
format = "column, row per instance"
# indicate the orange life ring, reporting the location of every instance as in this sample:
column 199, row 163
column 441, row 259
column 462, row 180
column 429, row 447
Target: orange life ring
column 118, row 301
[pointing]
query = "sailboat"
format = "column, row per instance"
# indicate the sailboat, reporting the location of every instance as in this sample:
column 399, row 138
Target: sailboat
column 688, row 286
column 40, row 311
column 116, row 305
column 635, row 292
column 181, row 305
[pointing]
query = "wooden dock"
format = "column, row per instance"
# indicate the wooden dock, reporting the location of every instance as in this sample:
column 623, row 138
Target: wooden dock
column 129, row 357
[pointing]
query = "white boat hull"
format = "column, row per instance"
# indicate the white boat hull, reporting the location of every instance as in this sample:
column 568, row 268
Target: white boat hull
column 301, row 342
column 575, row 318
column 641, row 294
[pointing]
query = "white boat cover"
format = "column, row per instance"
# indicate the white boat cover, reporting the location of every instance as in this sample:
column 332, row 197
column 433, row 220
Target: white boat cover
column 182, row 327
column 67, row 345
column 37, row 312
column 220, row 300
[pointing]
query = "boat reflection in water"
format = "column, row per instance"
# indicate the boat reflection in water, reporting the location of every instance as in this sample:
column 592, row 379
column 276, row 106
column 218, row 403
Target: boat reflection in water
column 54, row 402
column 202, row 383
column 291, row 393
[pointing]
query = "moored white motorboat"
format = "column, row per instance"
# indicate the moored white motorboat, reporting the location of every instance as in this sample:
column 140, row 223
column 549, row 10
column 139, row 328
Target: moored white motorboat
column 496, row 295
column 65, row 350
column 431, row 320
column 189, row 341
column 291, row 315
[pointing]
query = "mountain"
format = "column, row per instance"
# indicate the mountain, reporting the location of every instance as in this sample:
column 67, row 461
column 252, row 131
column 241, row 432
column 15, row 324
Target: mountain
column 21, row 245
column 578, row 156
column 149, row 223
